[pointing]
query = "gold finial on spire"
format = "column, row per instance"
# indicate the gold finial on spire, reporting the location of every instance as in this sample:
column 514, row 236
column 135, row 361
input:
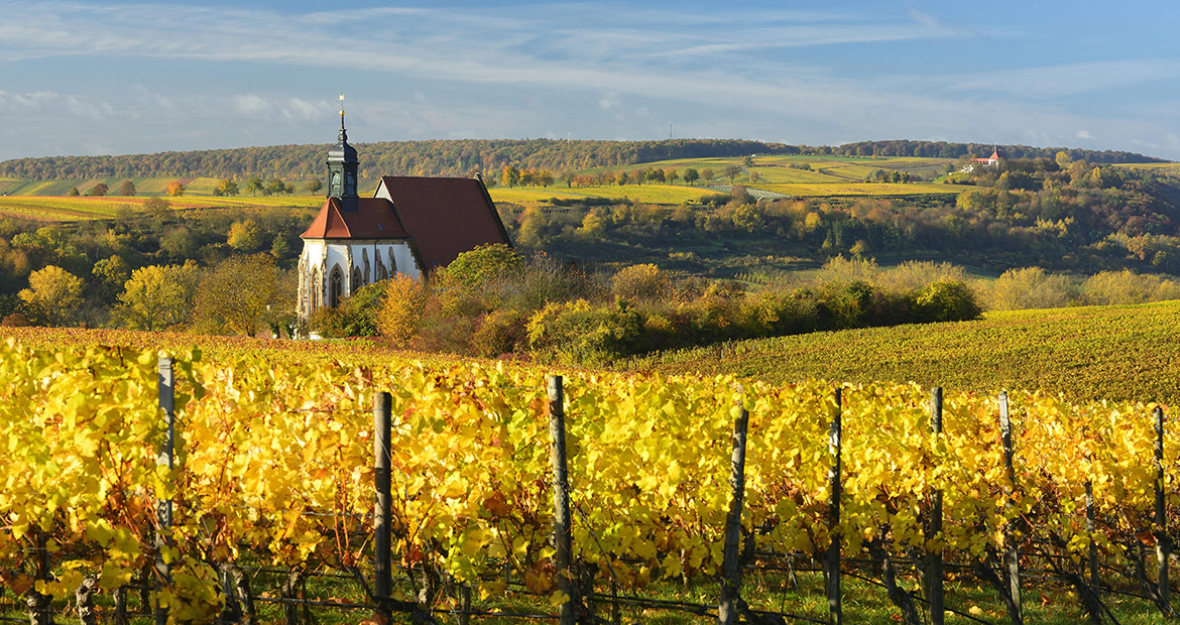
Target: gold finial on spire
column 342, row 105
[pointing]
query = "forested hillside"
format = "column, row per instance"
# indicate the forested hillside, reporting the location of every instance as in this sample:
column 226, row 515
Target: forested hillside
column 942, row 149
column 464, row 157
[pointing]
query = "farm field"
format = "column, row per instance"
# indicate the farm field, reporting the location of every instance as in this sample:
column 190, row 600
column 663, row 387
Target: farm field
column 647, row 193
column 1086, row 353
column 62, row 208
column 780, row 175
column 859, row 189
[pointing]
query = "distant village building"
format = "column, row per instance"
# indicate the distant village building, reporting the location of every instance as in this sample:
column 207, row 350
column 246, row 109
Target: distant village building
column 996, row 159
column 411, row 225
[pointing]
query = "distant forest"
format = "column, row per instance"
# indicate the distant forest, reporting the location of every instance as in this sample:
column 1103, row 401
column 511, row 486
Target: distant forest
column 465, row 157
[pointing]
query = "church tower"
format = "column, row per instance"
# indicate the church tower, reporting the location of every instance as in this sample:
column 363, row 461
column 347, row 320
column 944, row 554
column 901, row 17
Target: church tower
column 409, row 225
column 342, row 167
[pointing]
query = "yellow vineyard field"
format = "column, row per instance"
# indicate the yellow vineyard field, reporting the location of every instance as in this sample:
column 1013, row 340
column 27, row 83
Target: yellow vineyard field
column 275, row 459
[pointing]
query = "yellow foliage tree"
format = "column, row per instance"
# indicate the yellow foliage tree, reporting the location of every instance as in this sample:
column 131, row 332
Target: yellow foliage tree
column 158, row 297
column 240, row 295
column 401, row 309
column 53, row 296
column 245, row 236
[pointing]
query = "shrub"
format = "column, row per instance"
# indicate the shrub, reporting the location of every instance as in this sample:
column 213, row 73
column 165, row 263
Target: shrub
column 844, row 305
column 401, row 309
column 1031, row 287
column 578, row 333
column 1128, row 287
column 355, row 315
column 500, row 332
column 15, row 320
column 946, row 300
column 914, row 275
column 484, row 264
column 639, row 282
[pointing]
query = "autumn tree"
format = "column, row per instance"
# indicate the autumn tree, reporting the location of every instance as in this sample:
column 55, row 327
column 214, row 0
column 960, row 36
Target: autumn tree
column 708, row 175
column 158, row 297
column 279, row 248
column 53, row 296
column 313, row 186
column 127, row 188
column 111, row 273
column 74, row 192
column 98, row 190
column 509, row 176
column 691, row 175
column 732, row 172
column 276, row 186
column 175, row 189
column 401, row 309
column 245, row 236
column 254, row 185
column 226, row 187
column 476, row 268
column 236, row 296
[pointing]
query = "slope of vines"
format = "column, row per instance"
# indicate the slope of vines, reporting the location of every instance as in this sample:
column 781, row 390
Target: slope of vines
column 274, row 465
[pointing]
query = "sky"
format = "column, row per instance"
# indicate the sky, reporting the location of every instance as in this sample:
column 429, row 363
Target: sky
column 86, row 77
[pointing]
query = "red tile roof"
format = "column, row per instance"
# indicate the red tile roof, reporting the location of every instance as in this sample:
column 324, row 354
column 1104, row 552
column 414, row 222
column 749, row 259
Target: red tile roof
column 445, row 216
column 374, row 218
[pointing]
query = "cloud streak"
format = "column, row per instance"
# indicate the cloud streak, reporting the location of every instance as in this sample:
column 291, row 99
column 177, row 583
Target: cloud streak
column 770, row 73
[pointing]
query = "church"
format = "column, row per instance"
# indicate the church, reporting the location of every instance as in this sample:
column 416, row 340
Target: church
column 411, row 225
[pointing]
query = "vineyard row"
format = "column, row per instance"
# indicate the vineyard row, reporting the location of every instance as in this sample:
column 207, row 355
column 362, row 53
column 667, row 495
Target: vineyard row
column 673, row 478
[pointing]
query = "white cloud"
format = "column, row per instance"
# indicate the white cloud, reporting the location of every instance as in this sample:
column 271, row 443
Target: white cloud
column 1084, row 134
column 251, row 105
column 628, row 66
column 302, row 110
column 1065, row 80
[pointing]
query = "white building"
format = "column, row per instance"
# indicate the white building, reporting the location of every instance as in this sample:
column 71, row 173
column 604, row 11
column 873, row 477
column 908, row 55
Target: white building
column 411, row 226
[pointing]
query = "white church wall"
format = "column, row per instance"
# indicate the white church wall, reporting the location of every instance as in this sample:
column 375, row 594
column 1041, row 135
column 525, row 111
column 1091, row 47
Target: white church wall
column 320, row 257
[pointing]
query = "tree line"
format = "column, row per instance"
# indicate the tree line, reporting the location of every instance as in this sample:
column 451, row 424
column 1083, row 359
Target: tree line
column 1062, row 215
column 943, row 149
column 465, row 157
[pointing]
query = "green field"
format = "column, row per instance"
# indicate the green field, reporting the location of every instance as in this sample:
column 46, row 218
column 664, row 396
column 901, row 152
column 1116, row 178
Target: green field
column 647, row 193
column 835, row 176
column 1108, row 352
column 58, row 209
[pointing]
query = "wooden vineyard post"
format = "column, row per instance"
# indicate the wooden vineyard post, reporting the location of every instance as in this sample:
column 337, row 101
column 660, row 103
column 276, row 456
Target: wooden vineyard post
column 383, row 507
column 1011, row 547
column 934, row 591
column 1092, row 556
column 1091, row 525
column 562, row 532
column 1161, row 520
column 731, row 567
column 166, row 389
column 832, row 558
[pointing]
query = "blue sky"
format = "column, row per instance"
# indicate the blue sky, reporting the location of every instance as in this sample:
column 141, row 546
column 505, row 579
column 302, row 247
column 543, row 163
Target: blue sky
column 87, row 77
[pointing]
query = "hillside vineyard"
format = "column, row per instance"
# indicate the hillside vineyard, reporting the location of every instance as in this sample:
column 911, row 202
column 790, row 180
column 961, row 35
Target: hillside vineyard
column 274, row 463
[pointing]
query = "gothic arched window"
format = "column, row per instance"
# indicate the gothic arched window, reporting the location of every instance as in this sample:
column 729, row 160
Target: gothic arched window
column 357, row 280
column 316, row 289
column 335, row 286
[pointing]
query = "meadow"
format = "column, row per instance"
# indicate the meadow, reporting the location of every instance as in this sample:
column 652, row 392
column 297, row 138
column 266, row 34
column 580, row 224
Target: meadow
column 64, row 208
column 1086, row 353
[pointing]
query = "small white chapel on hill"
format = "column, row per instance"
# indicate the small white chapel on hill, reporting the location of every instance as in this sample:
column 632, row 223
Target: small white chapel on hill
column 411, row 225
